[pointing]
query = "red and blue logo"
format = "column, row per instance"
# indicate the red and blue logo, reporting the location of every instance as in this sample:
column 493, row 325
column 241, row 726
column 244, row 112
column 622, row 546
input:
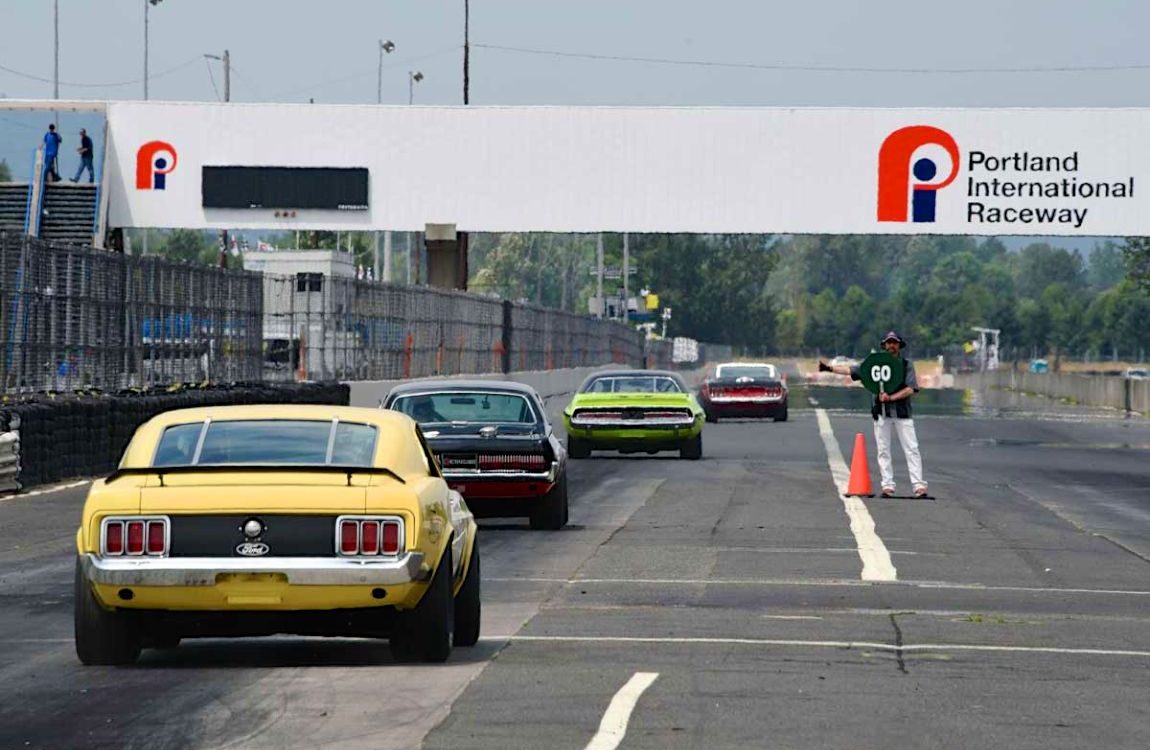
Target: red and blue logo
column 154, row 162
column 905, row 189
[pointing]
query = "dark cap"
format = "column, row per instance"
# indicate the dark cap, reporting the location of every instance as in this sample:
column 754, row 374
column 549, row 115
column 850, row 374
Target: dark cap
column 893, row 336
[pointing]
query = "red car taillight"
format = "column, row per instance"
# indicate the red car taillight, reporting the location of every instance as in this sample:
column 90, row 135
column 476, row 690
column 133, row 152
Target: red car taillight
column 135, row 537
column 359, row 536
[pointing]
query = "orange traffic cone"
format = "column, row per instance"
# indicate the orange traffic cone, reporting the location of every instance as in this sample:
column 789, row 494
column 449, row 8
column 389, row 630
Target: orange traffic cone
column 859, row 484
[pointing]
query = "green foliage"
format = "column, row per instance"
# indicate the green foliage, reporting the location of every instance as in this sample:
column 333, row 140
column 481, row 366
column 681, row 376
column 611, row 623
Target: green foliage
column 1136, row 256
column 838, row 294
column 190, row 246
column 5, row 171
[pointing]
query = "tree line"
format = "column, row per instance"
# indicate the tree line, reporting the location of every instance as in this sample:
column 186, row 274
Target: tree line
column 831, row 294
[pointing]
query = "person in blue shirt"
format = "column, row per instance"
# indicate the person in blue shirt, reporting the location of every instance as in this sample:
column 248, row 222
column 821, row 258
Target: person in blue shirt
column 52, row 142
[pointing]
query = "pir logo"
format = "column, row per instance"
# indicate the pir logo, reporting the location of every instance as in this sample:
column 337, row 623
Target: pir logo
column 903, row 187
column 154, row 162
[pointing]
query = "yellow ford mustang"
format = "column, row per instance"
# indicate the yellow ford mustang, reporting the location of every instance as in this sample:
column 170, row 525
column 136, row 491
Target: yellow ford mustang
column 254, row 520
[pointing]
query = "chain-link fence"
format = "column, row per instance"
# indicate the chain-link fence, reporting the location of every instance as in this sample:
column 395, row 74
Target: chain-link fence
column 73, row 318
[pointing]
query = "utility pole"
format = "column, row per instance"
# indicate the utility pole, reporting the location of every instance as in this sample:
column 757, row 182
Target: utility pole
column 227, row 61
column 146, row 4
column 626, row 271
column 56, row 68
column 386, row 257
column 599, row 282
column 466, row 52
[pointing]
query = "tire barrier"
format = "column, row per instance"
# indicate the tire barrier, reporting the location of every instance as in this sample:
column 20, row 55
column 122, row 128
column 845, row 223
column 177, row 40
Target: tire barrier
column 48, row 438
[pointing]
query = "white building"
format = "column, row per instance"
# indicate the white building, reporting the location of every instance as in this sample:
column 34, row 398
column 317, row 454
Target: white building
column 306, row 297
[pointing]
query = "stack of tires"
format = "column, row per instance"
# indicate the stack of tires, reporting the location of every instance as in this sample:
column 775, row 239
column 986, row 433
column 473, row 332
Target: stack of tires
column 57, row 437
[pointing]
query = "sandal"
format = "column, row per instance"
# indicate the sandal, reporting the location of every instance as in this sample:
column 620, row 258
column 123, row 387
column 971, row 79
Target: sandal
column 920, row 492
column 888, row 492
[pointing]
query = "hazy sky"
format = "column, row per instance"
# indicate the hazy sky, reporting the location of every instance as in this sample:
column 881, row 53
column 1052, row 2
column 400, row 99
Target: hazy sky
column 727, row 52
column 290, row 51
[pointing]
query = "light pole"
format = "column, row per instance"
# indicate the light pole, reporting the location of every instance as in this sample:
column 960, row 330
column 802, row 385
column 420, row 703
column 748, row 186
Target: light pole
column 146, row 4
column 466, row 52
column 412, row 79
column 226, row 59
column 388, row 47
column 56, row 66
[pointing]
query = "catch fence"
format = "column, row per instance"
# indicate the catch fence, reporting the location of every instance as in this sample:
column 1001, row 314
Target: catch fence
column 74, row 318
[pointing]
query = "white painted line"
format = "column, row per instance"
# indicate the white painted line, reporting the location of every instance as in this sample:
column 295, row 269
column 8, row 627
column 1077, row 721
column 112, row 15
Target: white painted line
column 45, row 491
column 847, row 645
column 826, row 583
column 877, row 565
column 613, row 727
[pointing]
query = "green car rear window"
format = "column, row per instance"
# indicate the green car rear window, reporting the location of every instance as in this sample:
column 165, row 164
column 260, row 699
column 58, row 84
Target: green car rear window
column 633, row 384
column 267, row 441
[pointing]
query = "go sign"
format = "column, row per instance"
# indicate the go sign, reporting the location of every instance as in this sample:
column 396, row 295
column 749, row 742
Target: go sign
column 880, row 372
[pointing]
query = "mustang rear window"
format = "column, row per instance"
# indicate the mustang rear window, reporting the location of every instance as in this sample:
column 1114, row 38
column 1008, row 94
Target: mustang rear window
column 267, row 441
column 457, row 406
column 633, row 384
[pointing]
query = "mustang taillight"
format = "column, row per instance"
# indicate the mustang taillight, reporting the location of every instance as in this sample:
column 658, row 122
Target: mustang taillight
column 358, row 536
column 135, row 537
column 512, row 462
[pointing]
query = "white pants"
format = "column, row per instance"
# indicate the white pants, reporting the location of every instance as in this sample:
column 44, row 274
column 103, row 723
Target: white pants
column 909, row 441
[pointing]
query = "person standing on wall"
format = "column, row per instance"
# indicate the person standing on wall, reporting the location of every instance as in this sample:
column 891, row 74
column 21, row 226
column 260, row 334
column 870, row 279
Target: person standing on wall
column 86, row 152
column 893, row 407
column 52, row 142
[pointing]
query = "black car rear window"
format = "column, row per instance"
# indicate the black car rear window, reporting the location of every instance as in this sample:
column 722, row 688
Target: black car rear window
column 462, row 406
column 267, row 441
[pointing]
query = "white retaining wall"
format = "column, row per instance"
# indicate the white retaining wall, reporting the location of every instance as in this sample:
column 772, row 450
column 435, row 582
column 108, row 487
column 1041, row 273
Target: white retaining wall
column 1091, row 390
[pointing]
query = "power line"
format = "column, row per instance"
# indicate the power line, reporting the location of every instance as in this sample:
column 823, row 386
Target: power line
column 161, row 74
column 814, row 68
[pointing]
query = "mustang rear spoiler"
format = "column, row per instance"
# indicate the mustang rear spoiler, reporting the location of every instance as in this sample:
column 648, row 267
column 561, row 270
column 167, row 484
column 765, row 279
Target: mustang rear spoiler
column 160, row 471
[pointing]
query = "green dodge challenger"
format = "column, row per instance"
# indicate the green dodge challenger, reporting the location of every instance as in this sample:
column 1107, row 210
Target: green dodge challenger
column 634, row 411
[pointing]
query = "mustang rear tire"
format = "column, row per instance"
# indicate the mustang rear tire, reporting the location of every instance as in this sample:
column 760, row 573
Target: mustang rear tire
column 692, row 449
column 467, row 603
column 711, row 418
column 102, row 637
column 426, row 632
column 577, row 448
column 782, row 415
column 550, row 511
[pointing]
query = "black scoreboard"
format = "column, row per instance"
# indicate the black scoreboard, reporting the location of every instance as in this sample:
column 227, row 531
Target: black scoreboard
column 331, row 188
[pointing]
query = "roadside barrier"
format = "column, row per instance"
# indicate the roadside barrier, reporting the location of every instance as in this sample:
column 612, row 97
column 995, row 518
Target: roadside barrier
column 48, row 438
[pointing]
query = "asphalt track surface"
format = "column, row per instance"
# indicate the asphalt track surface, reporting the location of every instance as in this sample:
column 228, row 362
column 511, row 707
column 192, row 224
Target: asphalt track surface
column 1018, row 614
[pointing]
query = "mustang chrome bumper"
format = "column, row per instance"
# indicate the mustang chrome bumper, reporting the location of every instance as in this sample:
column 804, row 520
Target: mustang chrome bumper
column 300, row 571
